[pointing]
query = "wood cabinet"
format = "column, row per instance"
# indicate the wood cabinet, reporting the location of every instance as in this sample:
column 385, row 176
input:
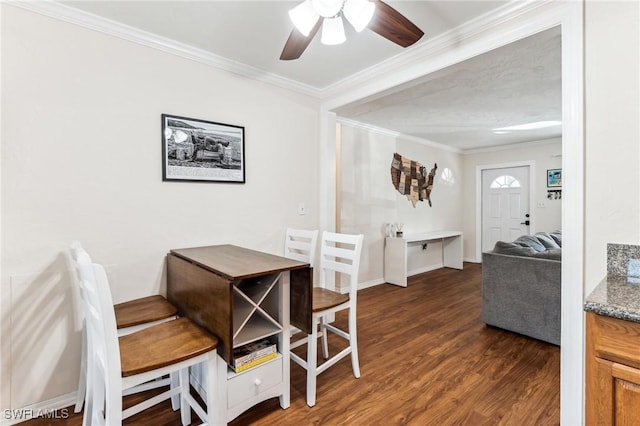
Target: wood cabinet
column 241, row 296
column 612, row 371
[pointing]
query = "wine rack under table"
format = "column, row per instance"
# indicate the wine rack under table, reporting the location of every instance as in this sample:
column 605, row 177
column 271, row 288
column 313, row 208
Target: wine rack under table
column 242, row 296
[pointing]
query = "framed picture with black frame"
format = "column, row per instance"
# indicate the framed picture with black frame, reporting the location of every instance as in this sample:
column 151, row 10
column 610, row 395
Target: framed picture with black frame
column 554, row 178
column 201, row 150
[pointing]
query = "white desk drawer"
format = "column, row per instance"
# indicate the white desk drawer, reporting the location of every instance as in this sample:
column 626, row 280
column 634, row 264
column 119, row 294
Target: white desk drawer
column 251, row 383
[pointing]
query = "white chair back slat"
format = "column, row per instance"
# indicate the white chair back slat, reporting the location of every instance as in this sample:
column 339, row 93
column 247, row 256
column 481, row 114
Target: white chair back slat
column 101, row 332
column 340, row 253
column 300, row 257
column 108, row 317
column 84, row 272
column 300, row 244
column 330, row 265
column 333, row 252
column 342, row 238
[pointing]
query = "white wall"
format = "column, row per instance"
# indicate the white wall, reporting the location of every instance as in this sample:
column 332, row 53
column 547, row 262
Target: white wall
column 81, row 159
column 612, row 154
column 366, row 203
column 369, row 199
column 545, row 155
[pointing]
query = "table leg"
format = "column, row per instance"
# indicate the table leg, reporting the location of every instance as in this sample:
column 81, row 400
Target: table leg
column 284, row 339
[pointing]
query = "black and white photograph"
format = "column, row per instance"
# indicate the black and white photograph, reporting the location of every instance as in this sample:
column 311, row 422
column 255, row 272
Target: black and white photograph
column 200, row 150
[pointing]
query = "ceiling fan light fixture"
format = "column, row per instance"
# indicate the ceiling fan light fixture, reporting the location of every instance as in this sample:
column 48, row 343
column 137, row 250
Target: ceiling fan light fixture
column 333, row 31
column 375, row 15
column 327, row 8
column 304, row 17
column 359, row 13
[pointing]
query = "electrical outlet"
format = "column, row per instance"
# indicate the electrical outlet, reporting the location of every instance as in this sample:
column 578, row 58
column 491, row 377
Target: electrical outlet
column 302, row 210
column 541, row 204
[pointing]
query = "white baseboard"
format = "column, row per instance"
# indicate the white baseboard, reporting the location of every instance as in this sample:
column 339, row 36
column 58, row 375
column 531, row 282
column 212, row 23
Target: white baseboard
column 60, row 407
column 471, row 260
column 373, row 283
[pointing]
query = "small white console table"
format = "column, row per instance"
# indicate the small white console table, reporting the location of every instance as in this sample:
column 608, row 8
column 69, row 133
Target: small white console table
column 395, row 253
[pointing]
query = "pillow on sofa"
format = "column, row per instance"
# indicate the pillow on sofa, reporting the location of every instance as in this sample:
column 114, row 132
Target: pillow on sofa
column 551, row 254
column 502, row 247
column 547, row 241
column 530, row 241
column 557, row 237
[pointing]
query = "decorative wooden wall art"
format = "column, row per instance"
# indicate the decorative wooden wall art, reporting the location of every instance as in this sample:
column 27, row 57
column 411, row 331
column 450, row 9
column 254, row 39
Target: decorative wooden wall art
column 410, row 178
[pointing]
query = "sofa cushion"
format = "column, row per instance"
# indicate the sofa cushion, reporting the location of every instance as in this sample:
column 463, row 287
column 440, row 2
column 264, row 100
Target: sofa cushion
column 503, row 247
column 551, row 254
column 557, row 237
column 530, row 241
column 547, row 241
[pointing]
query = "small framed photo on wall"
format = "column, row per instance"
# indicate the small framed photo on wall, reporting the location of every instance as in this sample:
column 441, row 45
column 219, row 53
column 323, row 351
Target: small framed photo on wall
column 201, row 150
column 554, row 178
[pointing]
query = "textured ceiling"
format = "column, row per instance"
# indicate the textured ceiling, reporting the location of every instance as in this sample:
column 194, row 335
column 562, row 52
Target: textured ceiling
column 460, row 105
column 457, row 106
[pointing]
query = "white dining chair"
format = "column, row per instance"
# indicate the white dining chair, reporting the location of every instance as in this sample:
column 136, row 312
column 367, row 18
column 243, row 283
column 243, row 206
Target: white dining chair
column 301, row 244
column 131, row 316
column 120, row 363
column 339, row 255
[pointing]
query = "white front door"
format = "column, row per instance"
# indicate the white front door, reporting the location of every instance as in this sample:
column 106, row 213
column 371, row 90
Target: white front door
column 505, row 205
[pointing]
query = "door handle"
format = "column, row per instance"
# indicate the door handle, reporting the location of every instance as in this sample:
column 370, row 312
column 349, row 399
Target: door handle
column 526, row 222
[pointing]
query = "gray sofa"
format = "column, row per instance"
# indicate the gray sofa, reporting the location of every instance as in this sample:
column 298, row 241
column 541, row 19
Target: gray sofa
column 521, row 286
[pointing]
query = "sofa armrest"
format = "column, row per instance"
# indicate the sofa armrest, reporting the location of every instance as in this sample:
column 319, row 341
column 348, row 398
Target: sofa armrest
column 522, row 294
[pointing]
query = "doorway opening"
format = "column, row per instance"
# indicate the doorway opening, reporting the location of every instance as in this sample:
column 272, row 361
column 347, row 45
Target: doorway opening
column 569, row 16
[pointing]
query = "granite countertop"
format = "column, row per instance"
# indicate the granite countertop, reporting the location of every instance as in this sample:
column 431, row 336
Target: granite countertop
column 616, row 296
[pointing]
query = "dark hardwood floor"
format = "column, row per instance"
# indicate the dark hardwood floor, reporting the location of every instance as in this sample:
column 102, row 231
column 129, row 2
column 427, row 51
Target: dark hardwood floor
column 426, row 359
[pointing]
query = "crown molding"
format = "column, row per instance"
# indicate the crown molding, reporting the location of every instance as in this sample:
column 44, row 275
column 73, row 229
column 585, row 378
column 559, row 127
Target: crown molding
column 81, row 18
column 513, row 146
column 442, row 42
column 385, row 68
column 394, row 134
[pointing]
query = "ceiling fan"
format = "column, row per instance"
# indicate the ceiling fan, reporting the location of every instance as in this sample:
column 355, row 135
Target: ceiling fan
column 376, row 15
